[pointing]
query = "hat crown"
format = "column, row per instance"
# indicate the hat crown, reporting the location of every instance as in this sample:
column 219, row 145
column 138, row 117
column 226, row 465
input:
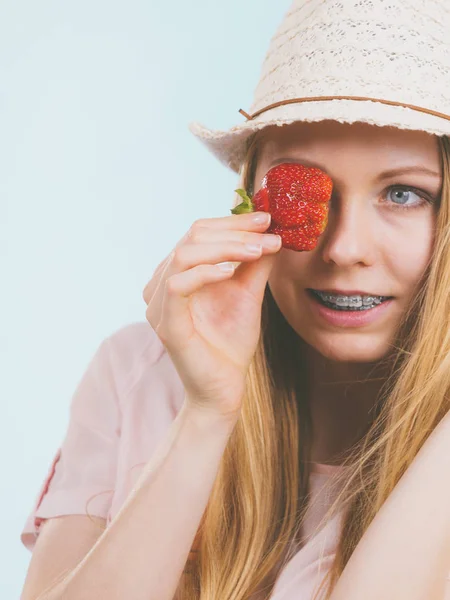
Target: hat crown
column 380, row 62
column 396, row 50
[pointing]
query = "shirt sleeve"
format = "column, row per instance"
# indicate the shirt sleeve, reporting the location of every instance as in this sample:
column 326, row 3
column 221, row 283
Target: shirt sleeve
column 84, row 466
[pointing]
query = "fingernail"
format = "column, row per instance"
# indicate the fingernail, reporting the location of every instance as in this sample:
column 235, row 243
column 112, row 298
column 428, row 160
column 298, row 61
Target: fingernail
column 273, row 241
column 227, row 267
column 261, row 217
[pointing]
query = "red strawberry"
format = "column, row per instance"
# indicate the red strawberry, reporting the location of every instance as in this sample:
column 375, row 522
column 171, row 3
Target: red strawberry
column 297, row 197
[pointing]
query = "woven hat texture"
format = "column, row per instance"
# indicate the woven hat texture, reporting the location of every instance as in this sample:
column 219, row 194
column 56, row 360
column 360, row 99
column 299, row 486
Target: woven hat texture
column 392, row 50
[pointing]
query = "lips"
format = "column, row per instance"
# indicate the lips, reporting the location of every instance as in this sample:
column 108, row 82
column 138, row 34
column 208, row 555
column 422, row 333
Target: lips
column 346, row 318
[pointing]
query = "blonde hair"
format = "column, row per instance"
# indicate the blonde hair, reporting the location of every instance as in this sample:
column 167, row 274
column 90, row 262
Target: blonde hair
column 261, row 493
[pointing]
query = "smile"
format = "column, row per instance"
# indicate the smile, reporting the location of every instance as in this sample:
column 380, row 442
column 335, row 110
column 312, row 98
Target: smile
column 349, row 303
column 348, row 311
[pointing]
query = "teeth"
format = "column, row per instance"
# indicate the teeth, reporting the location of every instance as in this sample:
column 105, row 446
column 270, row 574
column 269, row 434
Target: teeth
column 351, row 301
column 347, row 300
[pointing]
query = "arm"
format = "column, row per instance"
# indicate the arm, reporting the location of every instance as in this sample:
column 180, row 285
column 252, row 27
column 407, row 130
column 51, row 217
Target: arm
column 143, row 552
column 405, row 552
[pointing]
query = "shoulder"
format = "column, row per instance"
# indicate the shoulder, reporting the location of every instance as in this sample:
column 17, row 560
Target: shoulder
column 133, row 340
column 130, row 345
column 139, row 362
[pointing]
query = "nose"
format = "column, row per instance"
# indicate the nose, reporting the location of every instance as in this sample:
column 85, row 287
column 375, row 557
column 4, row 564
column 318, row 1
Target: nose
column 349, row 238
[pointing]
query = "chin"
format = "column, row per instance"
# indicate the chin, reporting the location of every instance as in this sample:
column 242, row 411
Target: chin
column 349, row 347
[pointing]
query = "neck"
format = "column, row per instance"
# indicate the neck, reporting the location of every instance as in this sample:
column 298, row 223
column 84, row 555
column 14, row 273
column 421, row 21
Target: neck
column 341, row 397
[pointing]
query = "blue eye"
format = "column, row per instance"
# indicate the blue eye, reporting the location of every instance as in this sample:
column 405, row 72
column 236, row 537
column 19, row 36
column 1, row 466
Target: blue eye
column 402, row 195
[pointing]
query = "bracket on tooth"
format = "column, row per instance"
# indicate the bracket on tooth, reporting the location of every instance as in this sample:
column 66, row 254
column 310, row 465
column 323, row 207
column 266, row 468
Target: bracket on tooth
column 352, row 301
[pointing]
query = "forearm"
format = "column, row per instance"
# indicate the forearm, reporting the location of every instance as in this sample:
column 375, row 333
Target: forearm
column 405, row 552
column 142, row 554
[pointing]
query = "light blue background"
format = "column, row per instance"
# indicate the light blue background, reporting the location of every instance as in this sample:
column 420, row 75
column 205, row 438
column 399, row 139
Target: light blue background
column 100, row 177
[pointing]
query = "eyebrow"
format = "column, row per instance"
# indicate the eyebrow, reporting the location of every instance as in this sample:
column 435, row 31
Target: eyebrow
column 384, row 175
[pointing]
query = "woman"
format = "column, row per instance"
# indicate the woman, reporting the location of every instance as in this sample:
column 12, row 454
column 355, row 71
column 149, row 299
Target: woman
column 278, row 443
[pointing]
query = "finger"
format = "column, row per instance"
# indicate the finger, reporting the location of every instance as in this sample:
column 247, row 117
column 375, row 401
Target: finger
column 243, row 221
column 176, row 322
column 202, row 229
column 191, row 255
column 158, row 274
column 156, row 298
column 254, row 275
column 206, row 234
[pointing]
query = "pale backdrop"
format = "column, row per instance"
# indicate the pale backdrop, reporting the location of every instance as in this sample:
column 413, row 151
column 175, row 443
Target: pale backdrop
column 99, row 179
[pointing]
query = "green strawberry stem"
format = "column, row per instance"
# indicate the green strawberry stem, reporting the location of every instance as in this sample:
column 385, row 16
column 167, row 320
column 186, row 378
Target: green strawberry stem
column 244, row 207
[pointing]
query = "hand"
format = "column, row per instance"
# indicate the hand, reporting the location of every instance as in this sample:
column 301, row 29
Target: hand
column 208, row 319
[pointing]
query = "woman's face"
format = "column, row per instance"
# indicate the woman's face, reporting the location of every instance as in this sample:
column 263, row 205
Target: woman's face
column 379, row 236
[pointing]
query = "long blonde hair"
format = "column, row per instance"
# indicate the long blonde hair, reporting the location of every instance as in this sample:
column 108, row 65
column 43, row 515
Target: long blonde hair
column 261, row 492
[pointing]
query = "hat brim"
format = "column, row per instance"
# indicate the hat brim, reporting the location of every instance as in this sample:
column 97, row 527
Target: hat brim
column 230, row 146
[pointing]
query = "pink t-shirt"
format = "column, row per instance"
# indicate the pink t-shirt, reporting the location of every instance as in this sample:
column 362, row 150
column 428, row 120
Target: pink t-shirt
column 120, row 411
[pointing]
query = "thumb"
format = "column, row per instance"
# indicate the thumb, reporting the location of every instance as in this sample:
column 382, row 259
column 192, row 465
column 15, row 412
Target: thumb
column 254, row 275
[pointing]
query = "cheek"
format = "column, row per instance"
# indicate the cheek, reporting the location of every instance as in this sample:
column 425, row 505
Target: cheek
column 291, row 267
column 407, row 254
column 288, row 279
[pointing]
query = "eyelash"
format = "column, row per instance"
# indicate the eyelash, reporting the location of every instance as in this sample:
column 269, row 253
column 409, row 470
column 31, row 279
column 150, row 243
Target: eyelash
column 405, row 188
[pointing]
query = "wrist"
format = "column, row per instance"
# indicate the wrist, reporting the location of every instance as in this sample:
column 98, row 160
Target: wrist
column 206, row 418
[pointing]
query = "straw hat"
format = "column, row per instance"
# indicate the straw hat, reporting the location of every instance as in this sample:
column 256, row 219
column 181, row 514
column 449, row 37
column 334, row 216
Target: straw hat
column 383, row 62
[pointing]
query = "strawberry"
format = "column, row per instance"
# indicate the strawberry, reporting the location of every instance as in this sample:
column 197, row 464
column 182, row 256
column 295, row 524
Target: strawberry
column 297, row 197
